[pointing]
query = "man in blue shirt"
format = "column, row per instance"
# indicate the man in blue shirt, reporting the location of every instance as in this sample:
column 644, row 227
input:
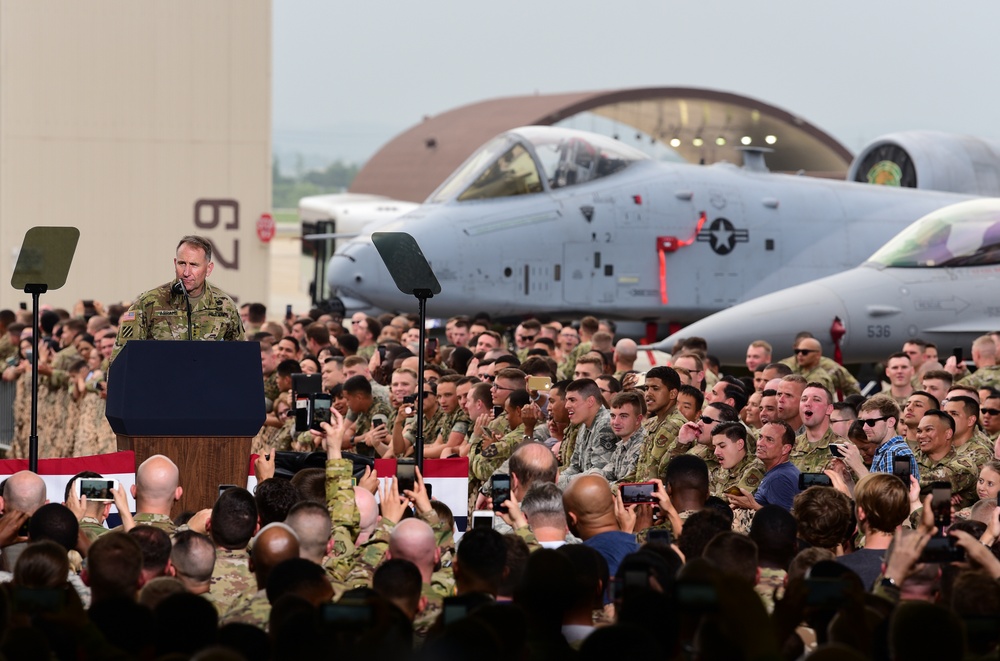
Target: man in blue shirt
column 880, row 415
column 781, row 478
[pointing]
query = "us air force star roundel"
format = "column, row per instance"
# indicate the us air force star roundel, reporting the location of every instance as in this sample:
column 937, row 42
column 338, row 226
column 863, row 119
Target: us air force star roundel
column 722, row 236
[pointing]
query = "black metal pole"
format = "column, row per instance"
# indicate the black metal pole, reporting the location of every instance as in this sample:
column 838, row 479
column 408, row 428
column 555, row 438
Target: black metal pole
column 36, row 291
column 418, row 442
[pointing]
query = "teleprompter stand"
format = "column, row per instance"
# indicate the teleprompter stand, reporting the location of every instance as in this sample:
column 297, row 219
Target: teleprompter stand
column 413, row 275
column 42, row 265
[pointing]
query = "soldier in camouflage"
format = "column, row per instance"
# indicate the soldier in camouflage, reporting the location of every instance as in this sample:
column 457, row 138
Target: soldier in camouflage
column 938, row 461
column 163, row 313
column 984, row 355
column 663, row 423
column 811, row 453
column 738, row 468
column 232, row 524
column 367, row 440
column 595, row 441
column 969, row 442
column 695, row 438
column 628, row 409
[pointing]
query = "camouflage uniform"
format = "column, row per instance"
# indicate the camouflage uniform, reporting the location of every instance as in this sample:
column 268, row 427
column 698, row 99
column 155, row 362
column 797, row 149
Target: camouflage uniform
column 160, row 315
column 271, row 386
column 621, row 464
column 770, row 586
column 426, row 618
column 594, row 446
column 817, row 374
column 840, row 378
column 432, row 427
column 368, row 351
column 978, row 449
column 660, row 435
column 343, row 515
column 369, row 555
column 363, row 422
column 255, row 610
column 569, row 365
column 161, row 521
column 92, row 528
column 568, row 444
column 486, row 459
column 231, row 578
column 500, row 425
column 7, row 348
column 953, row 468
column 814, row 457
column 642, row 536
column 747, row 475
column 381, row 393
column 455, row 422
column 988, row 376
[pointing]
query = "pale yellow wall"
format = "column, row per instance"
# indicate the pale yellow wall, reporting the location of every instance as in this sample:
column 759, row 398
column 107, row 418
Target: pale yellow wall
column 115, row 117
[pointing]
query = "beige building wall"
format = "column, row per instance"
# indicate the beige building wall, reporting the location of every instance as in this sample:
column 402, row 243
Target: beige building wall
column 118, row 117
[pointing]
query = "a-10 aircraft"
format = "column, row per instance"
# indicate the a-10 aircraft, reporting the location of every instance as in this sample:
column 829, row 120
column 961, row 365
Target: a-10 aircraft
column 547, row 220
column 937, row 280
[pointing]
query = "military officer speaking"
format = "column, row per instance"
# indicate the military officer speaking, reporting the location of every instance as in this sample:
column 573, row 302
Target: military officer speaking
column 188, row 308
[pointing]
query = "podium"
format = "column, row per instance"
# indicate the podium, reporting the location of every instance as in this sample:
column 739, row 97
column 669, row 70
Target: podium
column 199, row 403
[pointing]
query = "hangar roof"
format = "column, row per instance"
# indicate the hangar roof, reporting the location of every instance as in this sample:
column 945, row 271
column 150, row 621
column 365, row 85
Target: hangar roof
column 414, row 163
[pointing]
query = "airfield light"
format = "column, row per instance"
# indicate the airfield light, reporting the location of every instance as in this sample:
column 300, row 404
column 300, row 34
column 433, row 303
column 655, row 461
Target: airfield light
column 771, row 139
column 720, row 141
column 675, row 142
column 698, row 142
column 746, row 140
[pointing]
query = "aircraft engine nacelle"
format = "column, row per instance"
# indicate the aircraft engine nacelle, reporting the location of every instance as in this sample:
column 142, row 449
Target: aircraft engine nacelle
column 930, row 160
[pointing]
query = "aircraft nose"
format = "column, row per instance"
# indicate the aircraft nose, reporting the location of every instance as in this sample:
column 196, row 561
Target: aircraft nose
column 357, row 272
column 776, row 318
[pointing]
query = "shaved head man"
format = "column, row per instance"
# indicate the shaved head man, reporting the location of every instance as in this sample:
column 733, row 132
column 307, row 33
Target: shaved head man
column 590, row 515
column 275, row 543
column 413, row 540
column 156, row 488
column 25, row 492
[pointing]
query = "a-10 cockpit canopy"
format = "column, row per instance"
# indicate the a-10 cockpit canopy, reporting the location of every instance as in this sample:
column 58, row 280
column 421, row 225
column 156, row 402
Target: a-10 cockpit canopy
column 964, row 234
column 533, row 159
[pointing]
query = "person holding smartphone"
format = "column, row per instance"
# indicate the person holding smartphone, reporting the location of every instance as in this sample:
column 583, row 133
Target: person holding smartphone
column 939, row 462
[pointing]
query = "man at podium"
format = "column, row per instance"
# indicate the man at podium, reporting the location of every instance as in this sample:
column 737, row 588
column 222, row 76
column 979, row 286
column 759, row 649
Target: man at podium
column 189, row 308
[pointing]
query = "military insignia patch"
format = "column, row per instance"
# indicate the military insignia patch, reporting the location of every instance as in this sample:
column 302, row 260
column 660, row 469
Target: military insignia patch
column 490, row 451
column 126, row 331
column 128, row 316
column 167, row 313
column 752, row 481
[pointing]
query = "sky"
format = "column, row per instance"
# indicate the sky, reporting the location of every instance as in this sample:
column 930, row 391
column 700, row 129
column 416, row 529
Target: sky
column 347, row 77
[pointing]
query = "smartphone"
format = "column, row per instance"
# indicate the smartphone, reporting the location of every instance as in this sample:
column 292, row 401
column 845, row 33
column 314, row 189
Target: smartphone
column 453, row 609
column 381, row 355
column 696, row 595
column 321, row 404
column 539, row 383
column 807, row 480
column 941, row 505
column 410, row 399
column 825, row 592
column 638, row 492
column 406, row 474
column 288, row 311
column 356, row 614
column 901, row 469
column 482, row 519
column 33, row 600
column 225, row 487
column 22, row 305
column 497, row 411
column 942, row 549
column 660, row 536
column 957, row 353
column 378, row 420
column 95, row 488
column 640, row 380
column 500, row 487
column 432, row 347
column 836, row 450
column 429, row 488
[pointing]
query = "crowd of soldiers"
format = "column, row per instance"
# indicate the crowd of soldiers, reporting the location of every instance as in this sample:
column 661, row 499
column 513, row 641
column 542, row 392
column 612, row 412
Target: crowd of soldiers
column 779, row 513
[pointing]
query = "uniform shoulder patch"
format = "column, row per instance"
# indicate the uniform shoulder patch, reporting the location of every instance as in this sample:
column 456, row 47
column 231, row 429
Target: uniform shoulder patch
column 128, row 316
column 126, row 331
column 752, row 480
column 489, row 451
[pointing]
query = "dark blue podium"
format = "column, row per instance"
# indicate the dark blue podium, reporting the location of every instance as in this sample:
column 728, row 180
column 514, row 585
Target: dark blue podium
column 199, row 403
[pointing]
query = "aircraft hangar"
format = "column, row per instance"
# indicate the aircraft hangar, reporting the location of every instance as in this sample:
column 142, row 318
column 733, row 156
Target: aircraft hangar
column 702, row 126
